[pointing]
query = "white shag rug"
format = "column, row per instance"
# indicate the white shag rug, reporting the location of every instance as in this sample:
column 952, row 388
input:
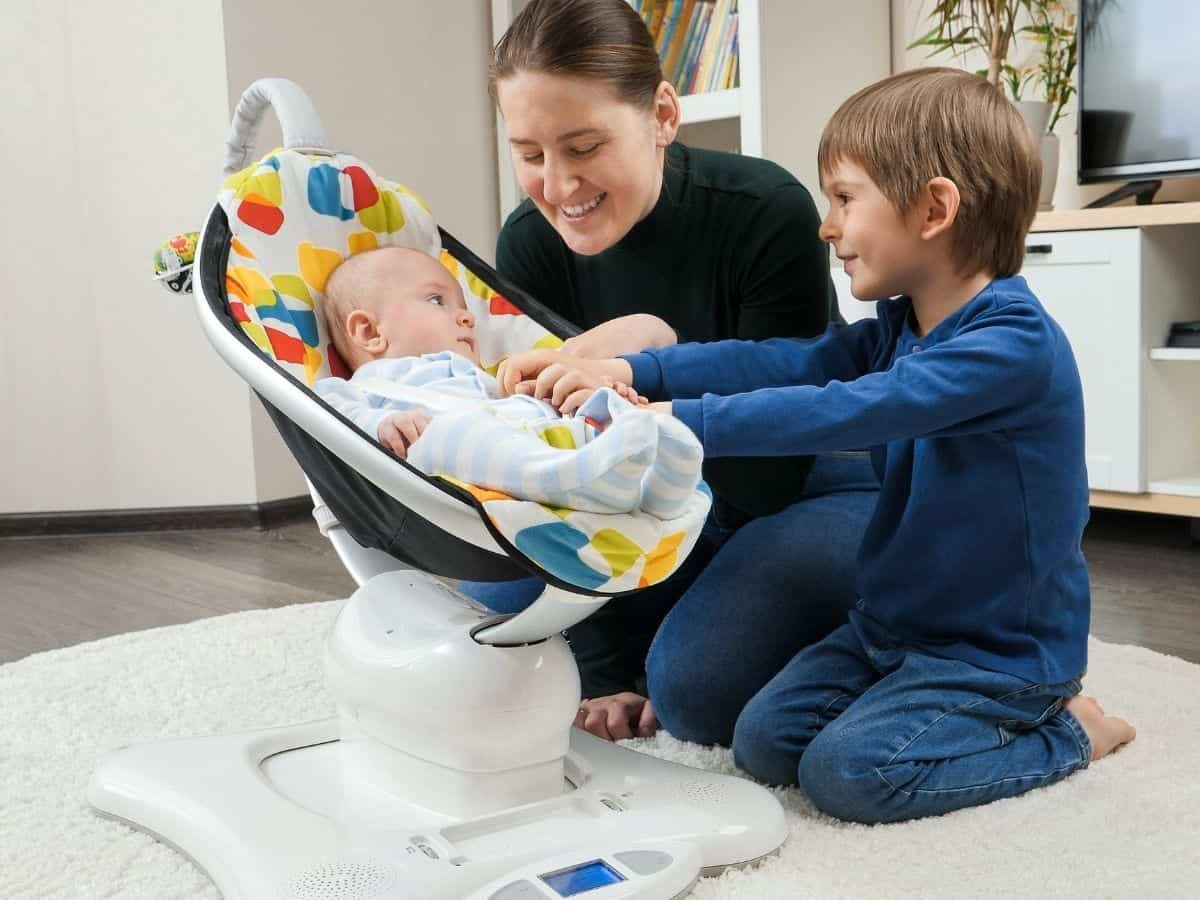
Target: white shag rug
column 1127, row 827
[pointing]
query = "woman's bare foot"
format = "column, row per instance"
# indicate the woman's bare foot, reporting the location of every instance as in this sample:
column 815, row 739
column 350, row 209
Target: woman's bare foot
column 1106, row 733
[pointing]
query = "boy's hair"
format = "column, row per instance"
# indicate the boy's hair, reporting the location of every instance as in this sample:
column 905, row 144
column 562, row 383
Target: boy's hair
column 931, row 122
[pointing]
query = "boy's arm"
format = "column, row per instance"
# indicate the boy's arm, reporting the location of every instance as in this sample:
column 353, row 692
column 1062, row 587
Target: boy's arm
column 843, row 352
column 980, row 380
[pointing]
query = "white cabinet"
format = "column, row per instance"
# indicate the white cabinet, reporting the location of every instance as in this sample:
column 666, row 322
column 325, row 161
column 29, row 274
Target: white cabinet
column 1089, row 282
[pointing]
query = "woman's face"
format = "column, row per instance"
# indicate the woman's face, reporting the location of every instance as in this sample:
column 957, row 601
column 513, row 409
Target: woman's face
column 591, row 162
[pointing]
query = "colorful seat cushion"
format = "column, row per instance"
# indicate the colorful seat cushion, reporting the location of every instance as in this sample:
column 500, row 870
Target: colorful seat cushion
column 294, row 216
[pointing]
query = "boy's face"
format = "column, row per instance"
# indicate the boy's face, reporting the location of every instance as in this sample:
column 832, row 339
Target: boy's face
column 419, row 308
column 880, row 248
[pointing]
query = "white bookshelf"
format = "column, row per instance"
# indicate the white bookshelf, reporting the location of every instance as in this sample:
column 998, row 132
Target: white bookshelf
column 743, row 103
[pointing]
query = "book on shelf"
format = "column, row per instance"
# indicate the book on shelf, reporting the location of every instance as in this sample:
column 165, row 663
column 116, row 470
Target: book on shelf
column 696, row 41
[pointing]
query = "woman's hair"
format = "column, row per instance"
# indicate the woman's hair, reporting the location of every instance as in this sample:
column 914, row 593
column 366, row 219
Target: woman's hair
column 601, row 39
column 924, row 123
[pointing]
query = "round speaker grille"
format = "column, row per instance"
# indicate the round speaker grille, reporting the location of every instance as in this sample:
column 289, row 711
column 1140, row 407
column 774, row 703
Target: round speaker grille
column 343, row 880
column 703, row 791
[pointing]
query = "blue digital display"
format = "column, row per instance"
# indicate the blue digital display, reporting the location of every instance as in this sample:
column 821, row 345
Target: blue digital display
column 583, row 877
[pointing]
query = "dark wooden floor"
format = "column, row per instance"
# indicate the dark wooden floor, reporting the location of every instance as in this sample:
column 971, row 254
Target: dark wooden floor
column 55, row 592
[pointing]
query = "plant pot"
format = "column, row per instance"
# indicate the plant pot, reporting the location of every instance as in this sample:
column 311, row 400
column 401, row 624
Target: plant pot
column 1036, row 114
column 1049, row 150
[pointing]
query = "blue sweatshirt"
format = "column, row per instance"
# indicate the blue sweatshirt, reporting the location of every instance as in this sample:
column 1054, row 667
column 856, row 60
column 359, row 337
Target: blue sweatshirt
column 976, row 432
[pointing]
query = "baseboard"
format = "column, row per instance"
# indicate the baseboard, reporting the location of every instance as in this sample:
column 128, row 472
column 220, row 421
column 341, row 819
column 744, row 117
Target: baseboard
column 180, row 518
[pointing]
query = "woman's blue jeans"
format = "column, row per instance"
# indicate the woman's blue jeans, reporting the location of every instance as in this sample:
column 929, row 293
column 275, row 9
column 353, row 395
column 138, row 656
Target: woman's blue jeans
column 740, row 608
column 877, row 732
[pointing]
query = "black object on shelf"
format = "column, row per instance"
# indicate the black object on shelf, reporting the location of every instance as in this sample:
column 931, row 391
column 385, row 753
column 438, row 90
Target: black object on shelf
column 1142, row 193
column 1184, row 334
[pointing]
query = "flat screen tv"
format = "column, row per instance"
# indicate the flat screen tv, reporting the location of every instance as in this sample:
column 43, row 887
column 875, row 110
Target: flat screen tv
column 1139, row 89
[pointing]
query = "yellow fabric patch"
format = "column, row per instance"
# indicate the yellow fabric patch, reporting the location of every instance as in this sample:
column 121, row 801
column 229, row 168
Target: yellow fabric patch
column 453, row 266
column 240, row 249
column 618, row 551
column 549, row 342
column 361, row 242
column 385, row 216
column 250, row 281
column 559, row 436
column 316, row 263
column 660, row 562
column 478, row 288
column 264, row 186
column 293, row 286
column 312, row 363
column 256, row 333
column 481, row 494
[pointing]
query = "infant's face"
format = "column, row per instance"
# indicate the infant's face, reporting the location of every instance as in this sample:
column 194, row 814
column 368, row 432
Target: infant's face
column 420, row 309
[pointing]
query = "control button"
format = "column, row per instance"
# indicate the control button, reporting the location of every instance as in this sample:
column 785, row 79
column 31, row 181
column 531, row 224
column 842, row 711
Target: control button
column 519, row 890
column 612, row 804
column 645, row 862
column 428, row 851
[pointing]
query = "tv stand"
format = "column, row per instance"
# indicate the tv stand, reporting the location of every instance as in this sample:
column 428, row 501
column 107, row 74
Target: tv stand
column 1142, row 192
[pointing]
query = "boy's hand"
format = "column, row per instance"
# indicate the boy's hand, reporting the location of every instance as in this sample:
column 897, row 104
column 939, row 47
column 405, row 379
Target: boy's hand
column 617, row 717
column 398, row 432
column 561, row 379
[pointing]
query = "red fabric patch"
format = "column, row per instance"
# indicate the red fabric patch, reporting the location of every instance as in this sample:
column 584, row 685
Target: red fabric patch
column 501, row 307
column 238, row 311
column 365, row 192
column 285, row 347
column 337, row 365
column 261, row 217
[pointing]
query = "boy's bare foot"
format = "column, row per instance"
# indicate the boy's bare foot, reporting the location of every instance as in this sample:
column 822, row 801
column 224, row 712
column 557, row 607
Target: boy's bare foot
column 1107, row 733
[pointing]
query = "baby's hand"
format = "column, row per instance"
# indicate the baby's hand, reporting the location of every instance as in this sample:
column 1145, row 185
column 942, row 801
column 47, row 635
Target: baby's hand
column 629, row 393
column 398, row 432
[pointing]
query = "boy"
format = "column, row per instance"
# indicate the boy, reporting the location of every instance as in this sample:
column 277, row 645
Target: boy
column 955, row 681
column 399, row 321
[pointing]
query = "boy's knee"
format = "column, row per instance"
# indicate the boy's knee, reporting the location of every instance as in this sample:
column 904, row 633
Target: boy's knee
column 760, row 747
column 843, row 781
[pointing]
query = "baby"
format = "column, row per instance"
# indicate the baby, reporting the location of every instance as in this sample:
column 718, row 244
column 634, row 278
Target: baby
column 400, row 322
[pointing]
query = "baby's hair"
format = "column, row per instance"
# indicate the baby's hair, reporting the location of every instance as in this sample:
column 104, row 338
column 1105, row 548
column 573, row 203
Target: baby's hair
column 347, row 289
column 940, row 122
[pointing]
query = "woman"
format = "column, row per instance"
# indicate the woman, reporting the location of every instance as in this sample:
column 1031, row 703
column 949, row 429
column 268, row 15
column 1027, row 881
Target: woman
column 620, row 219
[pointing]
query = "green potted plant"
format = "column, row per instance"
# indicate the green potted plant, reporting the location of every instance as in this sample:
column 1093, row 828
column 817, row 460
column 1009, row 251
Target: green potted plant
column 1024, row 46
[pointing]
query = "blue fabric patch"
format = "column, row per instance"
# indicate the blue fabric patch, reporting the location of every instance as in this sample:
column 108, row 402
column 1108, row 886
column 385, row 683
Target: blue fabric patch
column 554, row 546
column 325, row 192
column 305, row 320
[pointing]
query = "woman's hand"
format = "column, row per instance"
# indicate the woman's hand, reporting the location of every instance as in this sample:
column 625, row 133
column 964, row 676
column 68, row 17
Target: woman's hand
column 617, row 717
column 626, row 334
column 561, row 379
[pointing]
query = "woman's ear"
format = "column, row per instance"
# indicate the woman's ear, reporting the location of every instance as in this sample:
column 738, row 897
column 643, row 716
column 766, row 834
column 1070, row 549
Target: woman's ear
column 667, row 114
column 938, row 207
column 361, row 327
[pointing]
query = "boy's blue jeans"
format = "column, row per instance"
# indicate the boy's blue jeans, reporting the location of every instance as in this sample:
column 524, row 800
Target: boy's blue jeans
column 875, row 732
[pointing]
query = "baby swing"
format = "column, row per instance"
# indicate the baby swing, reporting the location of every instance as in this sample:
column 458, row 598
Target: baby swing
column 451, row 769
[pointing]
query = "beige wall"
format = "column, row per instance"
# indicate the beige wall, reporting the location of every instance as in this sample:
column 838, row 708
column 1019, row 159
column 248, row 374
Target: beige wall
column 815, row 55
column 109, row 396
column 115, row 117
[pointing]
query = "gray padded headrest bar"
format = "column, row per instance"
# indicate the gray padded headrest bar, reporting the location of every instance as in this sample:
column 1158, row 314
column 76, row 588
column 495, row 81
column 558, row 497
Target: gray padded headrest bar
column 296, row 114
